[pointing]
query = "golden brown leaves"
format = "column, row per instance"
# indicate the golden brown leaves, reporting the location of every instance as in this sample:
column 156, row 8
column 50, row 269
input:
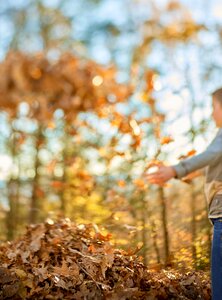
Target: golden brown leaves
column 173, row 5
column 71, row 83
column 166, row 140
column 121, row 183
column 191, row 176
column 180, row 31
column 73, row 261
column 149, row 78
column 189, row 153
column 57, row 184
column 140, row 183
column 154, row 162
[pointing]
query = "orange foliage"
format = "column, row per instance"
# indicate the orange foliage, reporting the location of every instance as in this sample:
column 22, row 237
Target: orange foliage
column 189, row 153
column 166, row 140
column 121, row 183
column 149, row 77
column 154, row 162
column 140, row 183
column 57, row 184
column 71, row 84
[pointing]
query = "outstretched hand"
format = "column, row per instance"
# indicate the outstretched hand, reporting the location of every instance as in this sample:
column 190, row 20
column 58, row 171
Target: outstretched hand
column 162, row 175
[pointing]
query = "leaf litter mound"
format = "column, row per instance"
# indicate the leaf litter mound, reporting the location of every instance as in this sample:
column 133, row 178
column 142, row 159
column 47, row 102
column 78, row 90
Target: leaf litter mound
column 62, row 260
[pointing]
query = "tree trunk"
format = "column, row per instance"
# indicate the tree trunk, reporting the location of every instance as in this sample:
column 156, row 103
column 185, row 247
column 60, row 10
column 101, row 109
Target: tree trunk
column 154, row 237
column 13, row 193
column 144, row 231
column 65, row 156
column 164, row 223
column 193, row 224
column 35, row 205
column 11, row 219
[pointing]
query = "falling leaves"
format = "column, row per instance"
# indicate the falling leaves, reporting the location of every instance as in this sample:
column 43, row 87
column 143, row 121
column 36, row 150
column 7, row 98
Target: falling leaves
column 121, row 183
column 140, row 183
column 166, row 140
column 189, row 153
column 154, row 162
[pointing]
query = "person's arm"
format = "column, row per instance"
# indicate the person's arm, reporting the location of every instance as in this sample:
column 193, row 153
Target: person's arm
column 208, row 157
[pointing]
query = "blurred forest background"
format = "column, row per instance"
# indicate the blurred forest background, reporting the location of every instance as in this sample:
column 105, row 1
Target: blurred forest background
column 91, row 92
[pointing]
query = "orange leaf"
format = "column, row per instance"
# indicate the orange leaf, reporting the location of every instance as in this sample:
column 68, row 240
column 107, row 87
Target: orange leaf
column 166, row 140
column 121, row 183
column 139, row 183
column 190, row 153
column 39, row 192
column 92, row 248
column 149, row 76
column 154, row 162
column 103, row 237
column 57, row 184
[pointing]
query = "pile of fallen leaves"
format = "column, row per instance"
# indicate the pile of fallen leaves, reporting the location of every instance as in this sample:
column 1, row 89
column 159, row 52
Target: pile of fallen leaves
column 63, row 260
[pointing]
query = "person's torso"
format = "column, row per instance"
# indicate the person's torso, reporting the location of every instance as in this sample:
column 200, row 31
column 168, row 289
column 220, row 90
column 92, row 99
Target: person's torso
column 213, row 186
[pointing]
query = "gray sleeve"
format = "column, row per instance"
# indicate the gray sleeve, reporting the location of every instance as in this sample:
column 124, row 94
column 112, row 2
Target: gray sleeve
column 208, row 157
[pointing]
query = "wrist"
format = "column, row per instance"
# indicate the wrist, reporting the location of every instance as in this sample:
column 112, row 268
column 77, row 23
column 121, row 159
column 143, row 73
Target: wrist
column 174, row 173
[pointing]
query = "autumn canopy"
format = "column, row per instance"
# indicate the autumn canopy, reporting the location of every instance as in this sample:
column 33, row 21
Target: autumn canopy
column 70, row 83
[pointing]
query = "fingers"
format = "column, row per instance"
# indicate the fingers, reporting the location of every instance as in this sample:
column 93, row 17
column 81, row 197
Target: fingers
column 158, row 182
column 155, row 176
column 156, row 179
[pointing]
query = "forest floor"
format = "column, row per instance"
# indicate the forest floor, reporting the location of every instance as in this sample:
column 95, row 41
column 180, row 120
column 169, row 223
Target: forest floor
column 62, row 260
